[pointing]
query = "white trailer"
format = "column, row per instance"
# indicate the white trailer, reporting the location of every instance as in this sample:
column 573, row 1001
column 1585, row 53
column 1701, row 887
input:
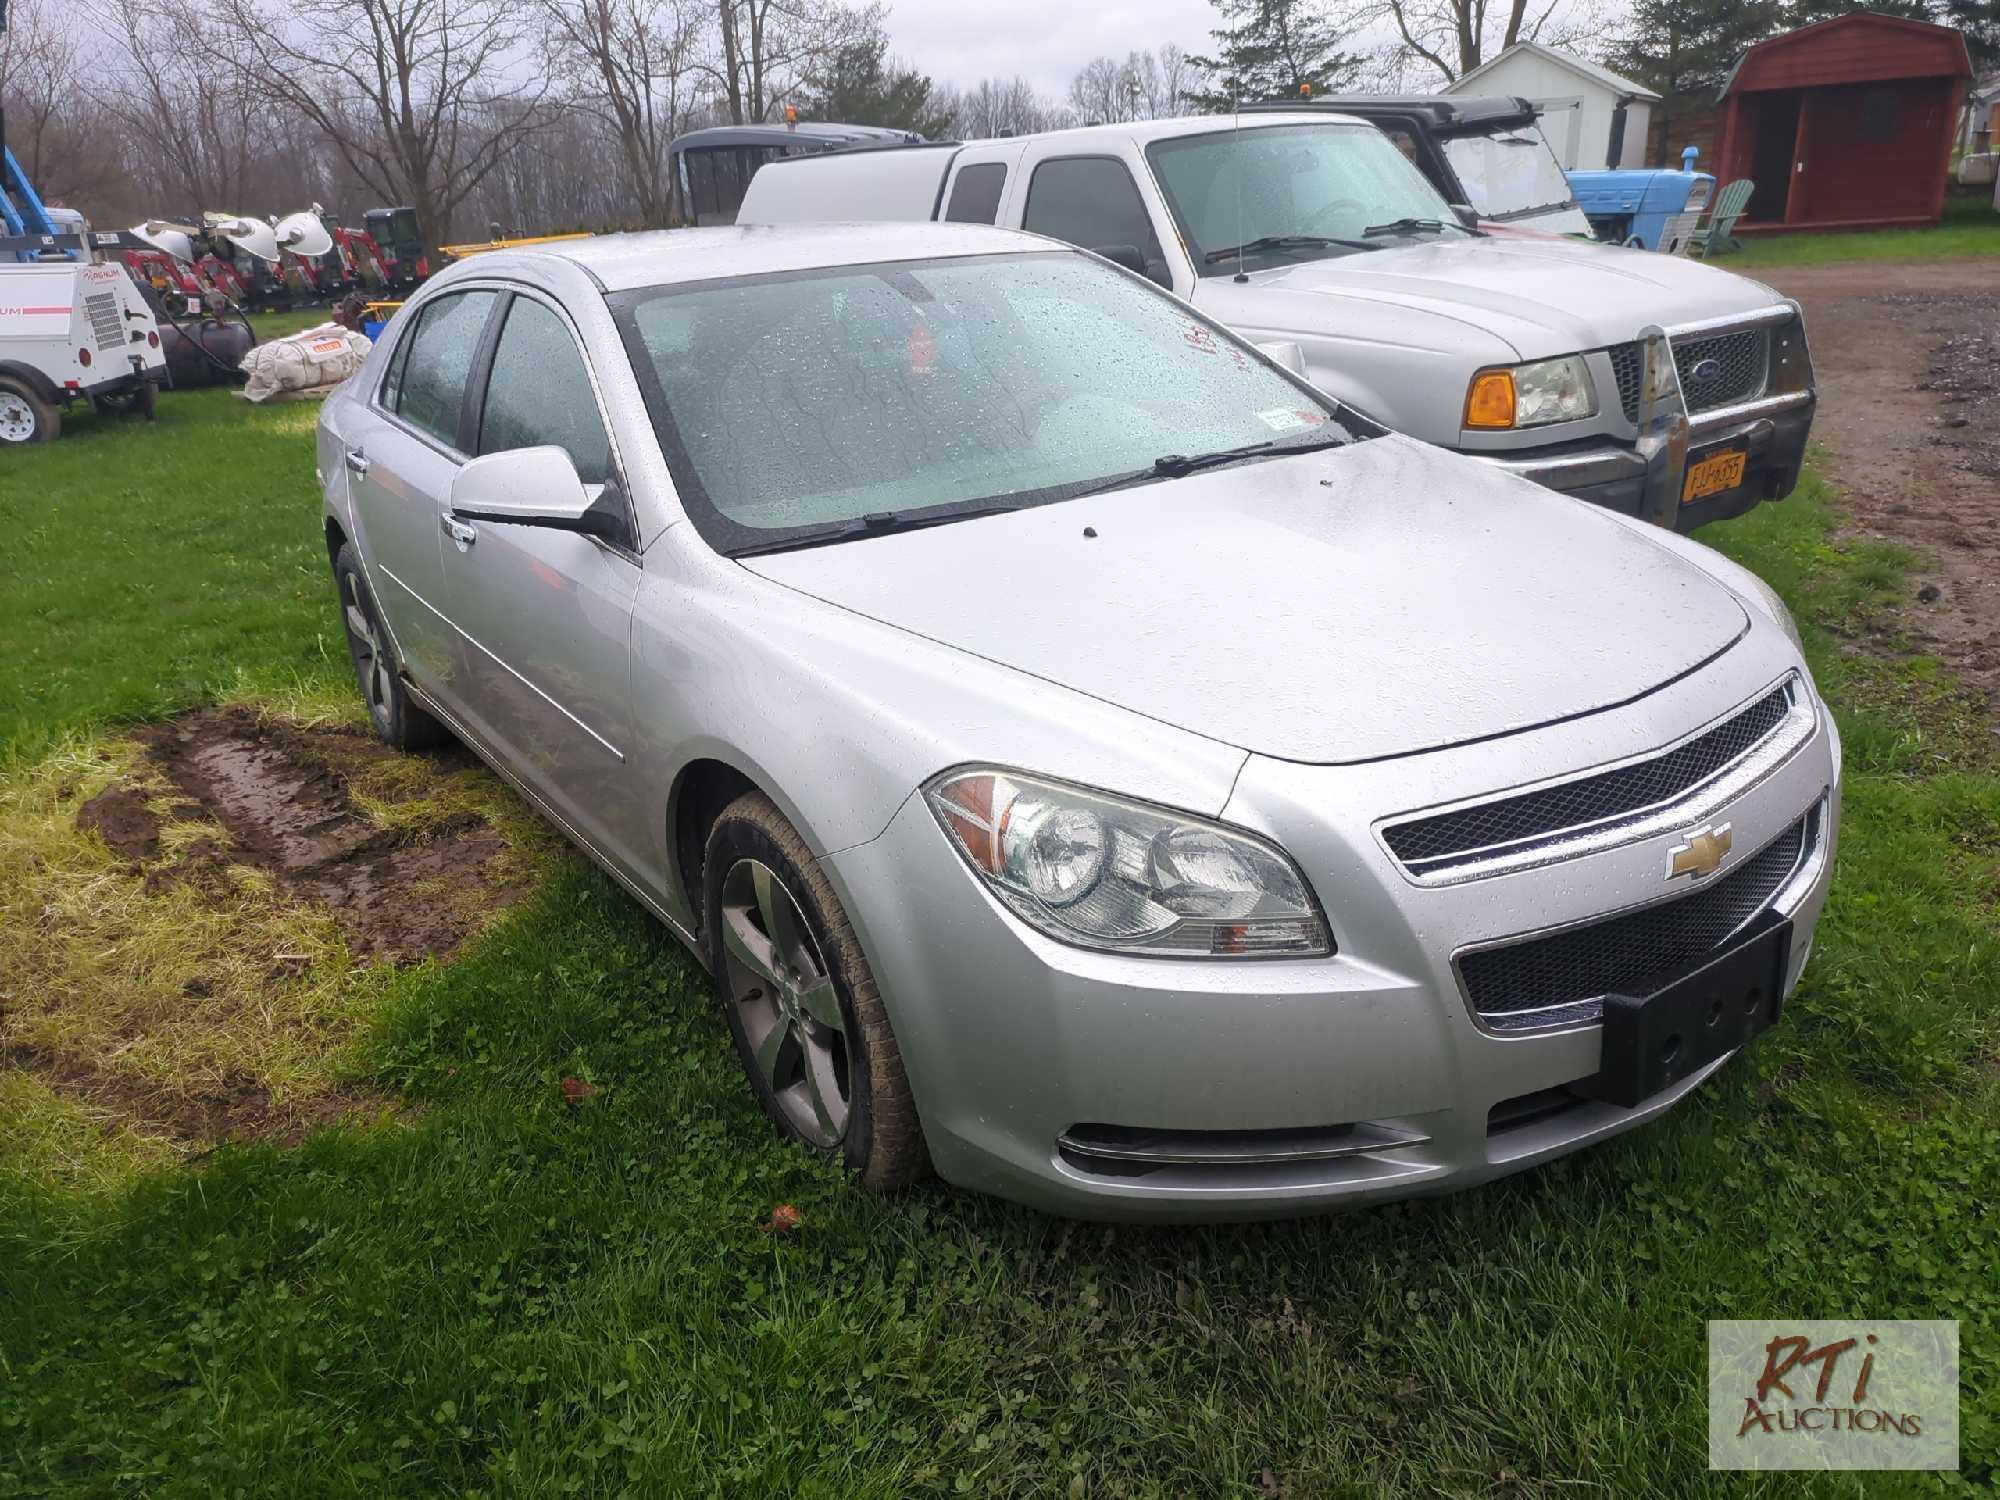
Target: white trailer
column 71, row 331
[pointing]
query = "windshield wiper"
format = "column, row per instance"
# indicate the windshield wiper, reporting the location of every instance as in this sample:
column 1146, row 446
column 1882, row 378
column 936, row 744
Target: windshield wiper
column 1409, row 226
column 878, row 523
column 1180, row 465
column 1280, row 242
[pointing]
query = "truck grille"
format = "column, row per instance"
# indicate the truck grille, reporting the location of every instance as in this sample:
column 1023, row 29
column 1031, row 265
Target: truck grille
column 106, row 326
column 1563, row 979
column 1743, row 360
column 1462, row 836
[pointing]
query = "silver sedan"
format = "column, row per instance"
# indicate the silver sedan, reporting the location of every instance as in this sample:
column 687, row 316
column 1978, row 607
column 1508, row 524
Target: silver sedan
column 1090, row 762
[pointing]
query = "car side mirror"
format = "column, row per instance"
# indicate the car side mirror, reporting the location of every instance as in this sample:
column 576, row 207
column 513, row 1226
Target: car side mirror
column 534, row 487
column 1287, row 353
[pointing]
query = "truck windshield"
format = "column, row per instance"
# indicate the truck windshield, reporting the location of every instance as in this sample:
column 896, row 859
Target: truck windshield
column 815, row 406
column 1295, row 192
column 1510, row 173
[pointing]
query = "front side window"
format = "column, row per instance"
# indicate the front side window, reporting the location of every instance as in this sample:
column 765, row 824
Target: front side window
column 442, row 346
column 808, row 406
column 540, row 393
column 1295, row 192
column 1510, row 173
column 1091, row 201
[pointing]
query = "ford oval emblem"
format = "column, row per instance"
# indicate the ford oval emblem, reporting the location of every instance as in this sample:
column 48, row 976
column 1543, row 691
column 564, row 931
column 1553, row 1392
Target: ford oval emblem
column 1706, row 372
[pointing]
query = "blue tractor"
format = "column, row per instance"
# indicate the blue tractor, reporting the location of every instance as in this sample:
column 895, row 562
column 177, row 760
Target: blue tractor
column 1654, row 208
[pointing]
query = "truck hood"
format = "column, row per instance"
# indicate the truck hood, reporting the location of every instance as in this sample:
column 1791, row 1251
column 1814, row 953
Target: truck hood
column 1542, row 297
column 1351, row 605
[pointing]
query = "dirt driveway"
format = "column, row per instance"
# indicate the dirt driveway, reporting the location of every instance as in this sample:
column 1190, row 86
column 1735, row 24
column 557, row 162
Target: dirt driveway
column 1908, row 355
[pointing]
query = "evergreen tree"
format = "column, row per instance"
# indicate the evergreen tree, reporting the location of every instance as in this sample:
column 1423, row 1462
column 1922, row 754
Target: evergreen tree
column 1270, row 49
column 860, row 84
column 1980, row 21
column 1684, row 50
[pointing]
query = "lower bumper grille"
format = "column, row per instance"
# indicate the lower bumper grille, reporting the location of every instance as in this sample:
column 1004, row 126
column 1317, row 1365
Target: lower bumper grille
column 1563, row 979
column 1129, row 1151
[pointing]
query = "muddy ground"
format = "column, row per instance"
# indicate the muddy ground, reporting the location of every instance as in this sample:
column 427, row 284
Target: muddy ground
column 1908, row 356
column 223, row 799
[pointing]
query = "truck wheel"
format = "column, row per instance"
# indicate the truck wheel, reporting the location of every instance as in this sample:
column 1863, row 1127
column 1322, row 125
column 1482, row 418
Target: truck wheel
column 25, row 417
column 801, row 1003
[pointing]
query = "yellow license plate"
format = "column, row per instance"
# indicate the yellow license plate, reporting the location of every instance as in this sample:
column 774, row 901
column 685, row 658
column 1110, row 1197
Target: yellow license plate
column 1719, row 472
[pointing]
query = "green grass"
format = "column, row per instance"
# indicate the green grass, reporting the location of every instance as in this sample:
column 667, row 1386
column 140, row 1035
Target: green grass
column 1970, row 226
column 517, row 1297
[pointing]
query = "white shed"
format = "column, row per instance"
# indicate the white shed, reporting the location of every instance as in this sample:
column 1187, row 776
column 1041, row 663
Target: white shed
column 1592, row 117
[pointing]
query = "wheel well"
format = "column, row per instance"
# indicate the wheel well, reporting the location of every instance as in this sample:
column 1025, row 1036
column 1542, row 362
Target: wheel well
column 705, row 788
column 335, row 539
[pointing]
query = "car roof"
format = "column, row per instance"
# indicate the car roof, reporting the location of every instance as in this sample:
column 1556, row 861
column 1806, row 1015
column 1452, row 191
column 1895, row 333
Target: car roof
column 668, row 257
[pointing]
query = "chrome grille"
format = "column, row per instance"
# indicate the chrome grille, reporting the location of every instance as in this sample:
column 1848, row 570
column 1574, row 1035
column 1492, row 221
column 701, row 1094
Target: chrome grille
column 105, row 325
column 1563, row 979
column 1744, row 358
column 1430, row 845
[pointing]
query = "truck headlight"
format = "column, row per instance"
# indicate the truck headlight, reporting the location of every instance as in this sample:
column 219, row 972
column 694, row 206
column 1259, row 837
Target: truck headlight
column 1097, row 871
column 1549, row 390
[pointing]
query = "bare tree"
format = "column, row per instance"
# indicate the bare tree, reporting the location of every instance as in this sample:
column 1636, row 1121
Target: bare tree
column 997, row 107
column 401, row 88
column 630, row 63
column 1452, row 37
column 42, row 86
column 1174, row 75
column 766, row 49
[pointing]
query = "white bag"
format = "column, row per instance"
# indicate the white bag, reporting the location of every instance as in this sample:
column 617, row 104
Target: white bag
column 319, row 357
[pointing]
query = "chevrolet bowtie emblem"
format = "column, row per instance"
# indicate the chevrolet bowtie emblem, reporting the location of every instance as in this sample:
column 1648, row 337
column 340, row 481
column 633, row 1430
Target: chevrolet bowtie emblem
column 1702, row 854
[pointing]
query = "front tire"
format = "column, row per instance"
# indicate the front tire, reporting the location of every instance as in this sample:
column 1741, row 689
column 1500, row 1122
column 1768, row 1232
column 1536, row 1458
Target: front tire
column 392, row 711
column 809, row 1026
column 25, row 417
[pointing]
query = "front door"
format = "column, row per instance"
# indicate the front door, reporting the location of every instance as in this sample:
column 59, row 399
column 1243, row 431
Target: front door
column 401, row 457
column 544, row 616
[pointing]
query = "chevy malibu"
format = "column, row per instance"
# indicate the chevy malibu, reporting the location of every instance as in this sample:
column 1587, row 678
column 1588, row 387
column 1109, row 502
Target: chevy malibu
column 1539, row 356
column 1092, row 763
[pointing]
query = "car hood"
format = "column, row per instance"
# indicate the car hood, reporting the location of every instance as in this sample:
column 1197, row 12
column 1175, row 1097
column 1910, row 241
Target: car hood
column 1542, row 296
column 1370, row 601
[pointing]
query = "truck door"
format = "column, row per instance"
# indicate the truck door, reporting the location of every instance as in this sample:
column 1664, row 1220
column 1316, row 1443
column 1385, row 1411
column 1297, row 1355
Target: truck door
column 1097, row 200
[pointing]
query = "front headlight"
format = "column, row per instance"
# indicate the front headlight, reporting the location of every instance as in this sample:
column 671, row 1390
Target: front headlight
column 1775, row 608
column 1097, row 871
column 1550, row 390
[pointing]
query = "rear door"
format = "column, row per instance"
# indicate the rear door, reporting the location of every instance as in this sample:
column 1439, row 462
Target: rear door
column 402, row 453
column 545, row 615
column 981, row 179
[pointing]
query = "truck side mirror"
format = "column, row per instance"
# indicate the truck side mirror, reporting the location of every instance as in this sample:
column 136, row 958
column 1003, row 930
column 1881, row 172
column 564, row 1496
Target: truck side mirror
column 1127, row 256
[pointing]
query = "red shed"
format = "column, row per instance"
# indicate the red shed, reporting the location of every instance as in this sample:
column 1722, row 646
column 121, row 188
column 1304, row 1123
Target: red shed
column 1845, row 124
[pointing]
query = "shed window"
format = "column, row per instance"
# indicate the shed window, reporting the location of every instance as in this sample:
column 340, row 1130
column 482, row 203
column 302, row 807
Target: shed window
column 1878, row 115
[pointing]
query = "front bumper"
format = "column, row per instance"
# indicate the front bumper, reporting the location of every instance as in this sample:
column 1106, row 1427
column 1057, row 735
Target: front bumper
column 1773, row 432
column 1333, row 1081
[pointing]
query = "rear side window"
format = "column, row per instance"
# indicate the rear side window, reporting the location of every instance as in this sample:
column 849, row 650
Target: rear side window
column 975, row 193
column 431, row 394
column 540, row 393
column 1090, row 201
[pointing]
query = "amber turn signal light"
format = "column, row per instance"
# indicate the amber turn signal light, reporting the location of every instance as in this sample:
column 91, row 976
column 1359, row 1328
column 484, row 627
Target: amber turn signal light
column 1490, row 402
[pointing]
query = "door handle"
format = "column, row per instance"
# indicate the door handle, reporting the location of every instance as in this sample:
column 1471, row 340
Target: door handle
column 459, row 531
column 357, row 462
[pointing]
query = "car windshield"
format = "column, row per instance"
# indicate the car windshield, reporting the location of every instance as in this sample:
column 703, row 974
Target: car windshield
column 813, row 406
column 1295, row 192
column 1509, row 173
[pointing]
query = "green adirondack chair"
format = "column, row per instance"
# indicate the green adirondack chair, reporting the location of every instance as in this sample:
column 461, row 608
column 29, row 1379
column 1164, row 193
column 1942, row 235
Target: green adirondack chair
column 1719, row 237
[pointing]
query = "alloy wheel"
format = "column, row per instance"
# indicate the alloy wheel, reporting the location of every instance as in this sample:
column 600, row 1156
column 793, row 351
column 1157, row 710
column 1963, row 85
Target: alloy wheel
column 785, row 997
column 370, row 665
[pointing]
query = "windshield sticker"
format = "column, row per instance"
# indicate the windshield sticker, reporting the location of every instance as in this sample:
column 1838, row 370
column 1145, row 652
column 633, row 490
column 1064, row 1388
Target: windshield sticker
column 1290, row 419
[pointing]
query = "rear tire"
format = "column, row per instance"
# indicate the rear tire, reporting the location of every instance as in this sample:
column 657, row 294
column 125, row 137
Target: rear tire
column 25, row 417
column 809, row 1026
column 395, row 715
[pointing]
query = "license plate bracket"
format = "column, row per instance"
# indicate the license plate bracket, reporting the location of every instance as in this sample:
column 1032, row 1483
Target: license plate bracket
column 1652, row 1042
column 1714, row 473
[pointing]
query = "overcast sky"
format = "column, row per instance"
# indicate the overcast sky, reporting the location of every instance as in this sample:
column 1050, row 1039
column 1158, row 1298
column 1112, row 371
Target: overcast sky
column 1045, row 41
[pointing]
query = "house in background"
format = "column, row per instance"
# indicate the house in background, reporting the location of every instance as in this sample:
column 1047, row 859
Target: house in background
column 1845, row 124
column 1982, row 116
column 1591, row 116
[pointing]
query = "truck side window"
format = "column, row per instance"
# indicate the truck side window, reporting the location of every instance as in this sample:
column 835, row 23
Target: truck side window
column 1092, row 201
column 975, row 193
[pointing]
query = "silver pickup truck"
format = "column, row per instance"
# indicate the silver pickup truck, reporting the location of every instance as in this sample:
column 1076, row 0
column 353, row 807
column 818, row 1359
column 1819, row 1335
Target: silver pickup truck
column 1656, row 386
